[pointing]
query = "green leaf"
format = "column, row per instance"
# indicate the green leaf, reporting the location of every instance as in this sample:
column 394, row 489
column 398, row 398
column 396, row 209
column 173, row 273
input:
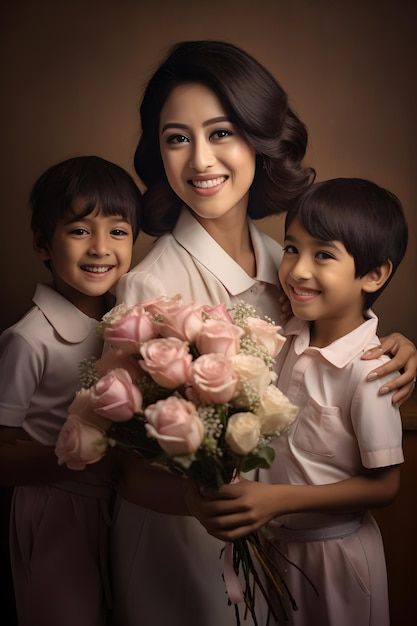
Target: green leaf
column 262, row 459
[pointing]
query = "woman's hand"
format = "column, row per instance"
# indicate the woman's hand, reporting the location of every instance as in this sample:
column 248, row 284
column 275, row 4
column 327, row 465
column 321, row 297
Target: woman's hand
column 403, row 357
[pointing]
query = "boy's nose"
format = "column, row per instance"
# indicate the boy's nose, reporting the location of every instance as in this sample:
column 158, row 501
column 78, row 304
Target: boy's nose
column 98, row 246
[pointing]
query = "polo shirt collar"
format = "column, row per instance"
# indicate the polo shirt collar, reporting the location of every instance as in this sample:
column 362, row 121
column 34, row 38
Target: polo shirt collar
column 69, row 322
column 191, row 235
column 343, row 350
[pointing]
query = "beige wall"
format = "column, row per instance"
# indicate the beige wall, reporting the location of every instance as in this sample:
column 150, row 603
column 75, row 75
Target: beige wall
column 72, row 73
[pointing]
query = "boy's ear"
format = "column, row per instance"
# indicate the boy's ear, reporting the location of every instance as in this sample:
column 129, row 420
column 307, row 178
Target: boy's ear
column 376, row 278
column 41, row 247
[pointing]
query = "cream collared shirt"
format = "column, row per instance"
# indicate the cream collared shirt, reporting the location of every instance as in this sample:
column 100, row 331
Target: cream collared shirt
column 189, row 261
column 39, row 359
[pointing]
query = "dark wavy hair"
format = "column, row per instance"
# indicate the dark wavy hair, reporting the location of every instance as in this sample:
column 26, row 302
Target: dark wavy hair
column 257, row 106
column 366, row 218
column 99, row 182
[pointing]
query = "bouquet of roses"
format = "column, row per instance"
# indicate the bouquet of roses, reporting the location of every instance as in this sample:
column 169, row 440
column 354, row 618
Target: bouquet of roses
column 190, row 387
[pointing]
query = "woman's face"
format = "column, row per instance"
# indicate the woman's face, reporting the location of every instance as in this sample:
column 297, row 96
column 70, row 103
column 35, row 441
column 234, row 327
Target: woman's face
column 208, row 163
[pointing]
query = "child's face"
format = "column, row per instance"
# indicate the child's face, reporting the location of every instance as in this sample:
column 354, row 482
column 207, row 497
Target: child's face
column 89, row 254
column 208, row 163
column 319, row 279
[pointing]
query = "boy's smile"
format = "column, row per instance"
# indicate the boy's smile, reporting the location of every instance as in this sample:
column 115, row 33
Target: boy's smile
column 319, row 279
column 88, row 254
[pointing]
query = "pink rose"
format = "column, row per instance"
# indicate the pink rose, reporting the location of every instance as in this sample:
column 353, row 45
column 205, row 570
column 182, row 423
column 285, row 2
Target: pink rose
column 175, row 424
column 216, row 311
column 219, row 336
column 115, row 396
column 265, row 334
column 114, row 358
column 81, row 409
column 212, row 379
column 79, row 444
column 167, row 361
column 174, row 319
column 130, row 330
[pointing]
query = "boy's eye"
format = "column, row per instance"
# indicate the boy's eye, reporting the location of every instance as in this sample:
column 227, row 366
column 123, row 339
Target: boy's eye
column 79, row 231
column 290, row 249
column 324, row 255
column 119, row 232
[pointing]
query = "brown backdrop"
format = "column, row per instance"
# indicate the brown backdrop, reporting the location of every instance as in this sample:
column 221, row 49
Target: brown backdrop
column 72, row 74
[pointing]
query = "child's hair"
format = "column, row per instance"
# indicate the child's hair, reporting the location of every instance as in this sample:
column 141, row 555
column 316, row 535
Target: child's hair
column 366, row 218
column 100, row 183
column 256, row 104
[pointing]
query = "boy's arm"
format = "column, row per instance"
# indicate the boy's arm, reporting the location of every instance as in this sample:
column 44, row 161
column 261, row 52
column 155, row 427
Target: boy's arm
column 27, row 462
column 150, row 486
column 243, row 507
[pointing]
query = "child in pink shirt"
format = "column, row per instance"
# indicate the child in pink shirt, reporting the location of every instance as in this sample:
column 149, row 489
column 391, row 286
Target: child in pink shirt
column 343, row 242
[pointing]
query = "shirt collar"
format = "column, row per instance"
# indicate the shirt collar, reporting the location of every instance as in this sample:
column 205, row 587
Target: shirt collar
column 343, row 350
column 69, row 322
column 191, row 235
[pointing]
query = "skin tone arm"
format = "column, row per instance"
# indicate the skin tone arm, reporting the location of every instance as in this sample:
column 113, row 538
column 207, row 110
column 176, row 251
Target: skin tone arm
column 243, row 507
column 150, row 486
column 27, row 462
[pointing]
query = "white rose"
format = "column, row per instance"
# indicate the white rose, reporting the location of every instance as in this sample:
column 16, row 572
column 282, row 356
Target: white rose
column 252, row 369
column 276, row 412
column 242, row 432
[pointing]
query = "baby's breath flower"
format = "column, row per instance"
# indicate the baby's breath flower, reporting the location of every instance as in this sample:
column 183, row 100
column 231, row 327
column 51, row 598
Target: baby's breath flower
column 241, row 311
column 248, row 396
column 251, row 348
column 213, row 428
column 87, row 372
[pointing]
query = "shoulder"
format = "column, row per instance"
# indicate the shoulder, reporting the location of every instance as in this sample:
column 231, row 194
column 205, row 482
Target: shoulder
column 28, row 330
column 161, row 272
column 264, row 244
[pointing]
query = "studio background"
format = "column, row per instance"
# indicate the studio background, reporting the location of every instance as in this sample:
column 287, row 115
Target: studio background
column 72, row 73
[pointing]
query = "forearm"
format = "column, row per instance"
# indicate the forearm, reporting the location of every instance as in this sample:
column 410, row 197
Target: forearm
column 369, row 490
column 151, row 486
column 28, row 463
column 241, row 508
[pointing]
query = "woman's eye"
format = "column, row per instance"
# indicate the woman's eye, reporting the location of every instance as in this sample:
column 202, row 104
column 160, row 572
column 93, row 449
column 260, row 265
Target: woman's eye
column 177, row 139
column 221, row 133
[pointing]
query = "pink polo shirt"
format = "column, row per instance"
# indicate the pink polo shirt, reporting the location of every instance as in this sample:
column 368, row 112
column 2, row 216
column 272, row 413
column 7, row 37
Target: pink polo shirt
column 343, row 423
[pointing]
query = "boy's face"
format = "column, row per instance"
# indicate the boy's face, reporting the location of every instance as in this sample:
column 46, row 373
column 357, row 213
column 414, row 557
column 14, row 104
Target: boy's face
column 319, row 279
column 88, row 254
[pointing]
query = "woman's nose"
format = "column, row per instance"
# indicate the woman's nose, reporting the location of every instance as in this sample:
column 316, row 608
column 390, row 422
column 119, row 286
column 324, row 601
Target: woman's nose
column 202, row 155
